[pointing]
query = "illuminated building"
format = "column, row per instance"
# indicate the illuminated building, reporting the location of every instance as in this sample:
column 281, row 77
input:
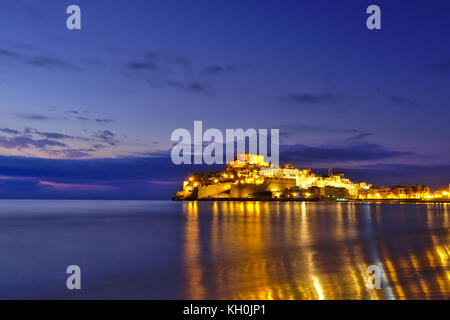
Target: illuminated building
column 397, row 192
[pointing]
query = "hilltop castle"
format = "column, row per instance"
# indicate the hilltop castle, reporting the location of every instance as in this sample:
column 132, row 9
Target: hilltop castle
column 250, row 177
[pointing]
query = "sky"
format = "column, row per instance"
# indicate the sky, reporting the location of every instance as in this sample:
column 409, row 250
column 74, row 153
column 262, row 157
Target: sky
column 89, row 113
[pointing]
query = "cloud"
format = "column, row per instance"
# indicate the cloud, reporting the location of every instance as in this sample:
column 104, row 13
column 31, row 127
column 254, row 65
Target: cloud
column 49, row 62
column 38, row 61
column 355, row 134
column 398, row 100
column 34, row 117
column 22, row 45
column 436, row 176
column 8, row 53
column 443, row 66
column 74, row 185
column 197, row 87
column 72, row 153
column 402, row 100
column 310, row 99
column 104, row 120
column 25, row 142
column 77, row 115
column 357, row 152
column 192, row 86
column 172, row 70
column 54, row 135
column 107, row 136
column 149, row 65
column 98, row 146
column 154, row 166
column 31, row 10
column 93, row 61
column 10, row 131
column 57, row 144
column 29, row 132
column 151, row 177
column 359, row 135
column 48, row 135
column 215, row 69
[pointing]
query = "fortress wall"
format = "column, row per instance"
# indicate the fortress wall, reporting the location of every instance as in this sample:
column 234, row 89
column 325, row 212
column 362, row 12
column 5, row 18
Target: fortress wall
column 188, row 192
column 278, row 185
column 213, row 189
column 243, row 191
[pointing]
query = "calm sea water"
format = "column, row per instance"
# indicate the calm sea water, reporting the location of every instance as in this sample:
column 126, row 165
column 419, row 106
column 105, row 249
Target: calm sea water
column 223, row 250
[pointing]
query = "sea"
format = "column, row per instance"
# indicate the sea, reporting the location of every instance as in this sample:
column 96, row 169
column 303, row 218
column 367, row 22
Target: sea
column 223, row 250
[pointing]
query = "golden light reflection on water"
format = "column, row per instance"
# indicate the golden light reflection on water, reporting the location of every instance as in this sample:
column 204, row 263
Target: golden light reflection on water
column 279, row 250
column 193, row 253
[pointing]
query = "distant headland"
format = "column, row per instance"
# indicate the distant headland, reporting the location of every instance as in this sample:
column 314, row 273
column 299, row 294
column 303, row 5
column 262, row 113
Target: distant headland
column 249, row 177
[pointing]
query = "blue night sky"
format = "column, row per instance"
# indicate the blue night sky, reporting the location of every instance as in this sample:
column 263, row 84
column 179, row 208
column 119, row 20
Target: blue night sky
column 89, row 113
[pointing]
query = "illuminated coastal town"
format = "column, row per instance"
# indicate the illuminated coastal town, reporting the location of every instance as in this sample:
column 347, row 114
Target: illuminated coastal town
column 250, row 177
